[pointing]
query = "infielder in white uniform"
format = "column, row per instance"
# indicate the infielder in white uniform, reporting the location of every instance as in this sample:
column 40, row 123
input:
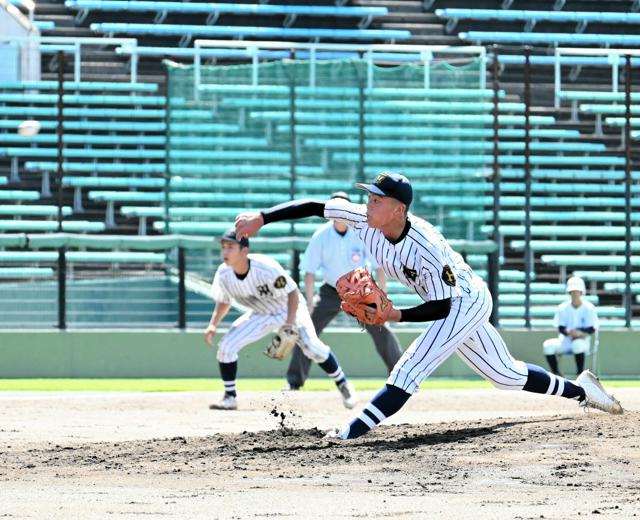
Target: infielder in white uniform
column 260, row 284
column 458, row 302
column 576, row 320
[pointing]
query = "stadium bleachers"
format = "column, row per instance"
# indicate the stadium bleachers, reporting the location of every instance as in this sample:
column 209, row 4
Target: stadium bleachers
column 237, row 146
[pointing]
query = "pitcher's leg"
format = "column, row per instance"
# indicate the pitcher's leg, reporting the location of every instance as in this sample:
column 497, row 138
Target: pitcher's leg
column 486, row 353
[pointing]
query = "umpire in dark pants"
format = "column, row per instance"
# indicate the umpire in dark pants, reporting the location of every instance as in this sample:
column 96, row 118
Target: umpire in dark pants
column 335, row 250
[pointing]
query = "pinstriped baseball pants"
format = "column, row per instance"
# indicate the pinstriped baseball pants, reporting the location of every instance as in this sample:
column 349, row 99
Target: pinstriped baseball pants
column 467, row 332
column 252, row 326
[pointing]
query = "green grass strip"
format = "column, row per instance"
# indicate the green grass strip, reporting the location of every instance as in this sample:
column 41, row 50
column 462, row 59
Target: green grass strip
column 246, row 385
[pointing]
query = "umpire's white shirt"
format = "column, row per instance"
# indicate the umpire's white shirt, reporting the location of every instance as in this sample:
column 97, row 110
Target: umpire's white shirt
column 421, row 259
column 264, row 289
column 335, row 254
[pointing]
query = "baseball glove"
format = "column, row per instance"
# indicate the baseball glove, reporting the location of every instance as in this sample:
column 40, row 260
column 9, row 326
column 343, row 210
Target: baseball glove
column 362, row 298
column 283, row 342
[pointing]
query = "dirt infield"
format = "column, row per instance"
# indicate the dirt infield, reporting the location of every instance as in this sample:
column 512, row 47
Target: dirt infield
column 447, row 454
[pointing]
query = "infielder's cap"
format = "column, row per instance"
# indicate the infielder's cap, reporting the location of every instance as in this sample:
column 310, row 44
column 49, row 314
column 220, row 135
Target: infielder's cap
column 340, row 195
column 230, row 235
column 389, row 184
column 575, row 283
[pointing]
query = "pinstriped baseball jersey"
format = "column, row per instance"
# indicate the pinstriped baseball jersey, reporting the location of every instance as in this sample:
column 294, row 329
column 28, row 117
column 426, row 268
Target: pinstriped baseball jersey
column 421, row 259
column 264, row 289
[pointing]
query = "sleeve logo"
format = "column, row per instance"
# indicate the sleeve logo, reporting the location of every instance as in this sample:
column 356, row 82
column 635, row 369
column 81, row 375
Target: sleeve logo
column 280, row 282
column 448, row 277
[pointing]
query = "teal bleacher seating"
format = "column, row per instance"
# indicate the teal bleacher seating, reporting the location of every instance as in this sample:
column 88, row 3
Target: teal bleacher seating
column 19, row 195
column 51, row 225
column 82, row 99
column 631, row 40
column 576, row 245
column 588, row 260
column 34, row 210
column 85, row 153
column 228, row 8
column 93, row 86
column 26, row 272
column 606, row 276
column 82, row 256
column 540, row 15
column 566, row 230
column 139, row 168
column 251, row 31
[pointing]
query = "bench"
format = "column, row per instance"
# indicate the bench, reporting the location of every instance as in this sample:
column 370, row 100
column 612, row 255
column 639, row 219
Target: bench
column 540, row 299
column 445, row 119
column 96, row 86
column 564, row 230
column 621, row 287
column 632, row 40
column 83, row 256
column 107, row 182
column 217, row 228
column 250, row 31
column 26, row 272
column 133, row 113
column 200, row 128
column 402, row 131
column 51, row 225
column 139, row 140
column 564, row 261
column 545, row 216
column 548, row 311
column 569, row 174
column 143, row 212
column 83, row 153
column 215, row 9
column 92, row 167
column 256, row 170
column 193, row 141
column 19, row 195
column 34, row 210
column 229, row 155
column 82, row 99
column 452, row 144
column 607, row 276
column 576, row 245
column 470, row 106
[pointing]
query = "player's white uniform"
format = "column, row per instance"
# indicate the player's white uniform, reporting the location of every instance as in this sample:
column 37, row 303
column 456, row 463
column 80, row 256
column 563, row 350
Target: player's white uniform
column 264, row 291
column 571, row 317
column 423, row 261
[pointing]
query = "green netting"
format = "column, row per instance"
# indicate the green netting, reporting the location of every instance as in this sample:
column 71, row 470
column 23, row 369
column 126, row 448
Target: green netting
column 235, row 140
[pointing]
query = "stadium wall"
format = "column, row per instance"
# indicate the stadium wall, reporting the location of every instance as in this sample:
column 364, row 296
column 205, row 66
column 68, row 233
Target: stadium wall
column 169, row 354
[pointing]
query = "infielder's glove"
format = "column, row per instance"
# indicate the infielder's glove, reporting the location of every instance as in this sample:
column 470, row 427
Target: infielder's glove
column 362, row 298
column 283, row 342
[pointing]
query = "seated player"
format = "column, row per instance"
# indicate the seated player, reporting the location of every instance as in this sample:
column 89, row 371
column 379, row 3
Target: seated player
column 576, row 320
column 261, row 285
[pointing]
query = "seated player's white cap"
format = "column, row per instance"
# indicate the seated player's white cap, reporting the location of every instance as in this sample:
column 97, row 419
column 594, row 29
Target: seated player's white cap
column 575, row 283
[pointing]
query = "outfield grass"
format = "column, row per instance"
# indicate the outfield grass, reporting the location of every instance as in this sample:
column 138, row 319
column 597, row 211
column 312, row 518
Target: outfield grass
column 203, row 385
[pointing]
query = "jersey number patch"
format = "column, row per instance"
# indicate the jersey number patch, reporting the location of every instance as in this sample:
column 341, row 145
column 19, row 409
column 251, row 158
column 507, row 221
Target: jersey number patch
column 448, row 277
column 280, row 282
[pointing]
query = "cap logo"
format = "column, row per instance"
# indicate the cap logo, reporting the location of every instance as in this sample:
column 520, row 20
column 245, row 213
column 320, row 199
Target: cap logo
column 380, row 178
